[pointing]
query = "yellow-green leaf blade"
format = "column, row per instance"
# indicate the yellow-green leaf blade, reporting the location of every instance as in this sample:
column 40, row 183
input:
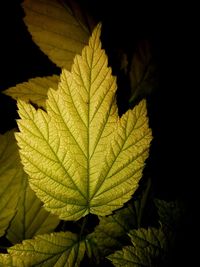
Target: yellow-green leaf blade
column 48, row 164
column 31, row 218
column 57, row 249
column 56, row 30
column 124, row 161
column 10, row 179
column 71, row 152
column 35, row 90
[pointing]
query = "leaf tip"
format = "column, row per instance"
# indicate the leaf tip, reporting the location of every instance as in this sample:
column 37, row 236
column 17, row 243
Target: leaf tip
column 95, row 38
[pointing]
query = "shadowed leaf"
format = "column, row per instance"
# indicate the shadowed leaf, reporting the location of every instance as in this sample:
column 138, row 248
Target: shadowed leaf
column 31, row 218
column 57, row 29
column 11, row 173
column 142, row 73
column 148, row 249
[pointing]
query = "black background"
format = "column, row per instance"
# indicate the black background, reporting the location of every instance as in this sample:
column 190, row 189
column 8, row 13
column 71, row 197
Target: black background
column 171, row 32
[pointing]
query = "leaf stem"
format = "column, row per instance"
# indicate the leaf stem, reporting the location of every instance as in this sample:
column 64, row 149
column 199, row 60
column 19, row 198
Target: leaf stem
column 82, row 227
column 79, row 240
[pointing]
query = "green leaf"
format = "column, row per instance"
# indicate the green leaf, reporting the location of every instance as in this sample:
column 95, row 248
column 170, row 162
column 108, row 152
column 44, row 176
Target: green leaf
column 151, row 238
column 80, row 156
column 7, row 260
column 142, row 73
column 111, row 233
column 35, row 90
column 56, row 29
column 149, row 249
column 10, row 179
column 130, row 256
column 57, row 249
column 31, row 218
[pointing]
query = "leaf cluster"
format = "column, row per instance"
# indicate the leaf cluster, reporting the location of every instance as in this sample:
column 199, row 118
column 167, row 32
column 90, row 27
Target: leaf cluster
column 70, row 172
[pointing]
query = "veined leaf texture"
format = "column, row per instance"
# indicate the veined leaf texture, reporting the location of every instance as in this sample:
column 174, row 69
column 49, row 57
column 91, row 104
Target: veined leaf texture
column 80, row 156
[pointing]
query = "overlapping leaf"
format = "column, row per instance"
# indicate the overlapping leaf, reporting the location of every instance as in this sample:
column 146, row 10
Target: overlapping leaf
column 35, row 90
column 111, row 233
column 31, row 218
column 80, row 156
column 57, row 249
column 130, row 256
column 149, row 248
column 10, row 179
column 147, row 238
column 56, row 30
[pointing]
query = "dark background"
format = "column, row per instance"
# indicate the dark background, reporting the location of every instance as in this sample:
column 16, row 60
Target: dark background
column 170, row 32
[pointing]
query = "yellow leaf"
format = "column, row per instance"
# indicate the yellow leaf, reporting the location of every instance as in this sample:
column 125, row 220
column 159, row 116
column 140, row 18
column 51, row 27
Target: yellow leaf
column 10, row 179
column 80, row 156
column 31, row 218
column 35, row 90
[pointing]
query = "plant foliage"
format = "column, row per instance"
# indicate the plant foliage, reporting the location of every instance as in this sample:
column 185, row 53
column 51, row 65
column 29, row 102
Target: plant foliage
column 69, row 175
